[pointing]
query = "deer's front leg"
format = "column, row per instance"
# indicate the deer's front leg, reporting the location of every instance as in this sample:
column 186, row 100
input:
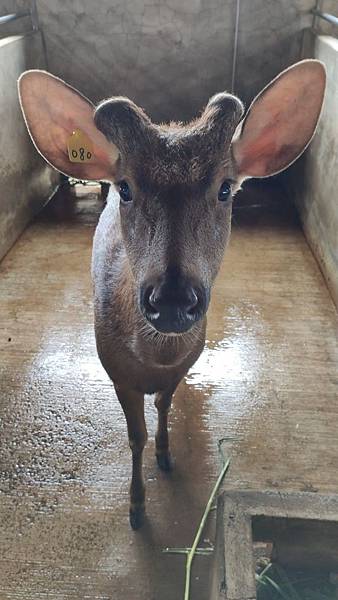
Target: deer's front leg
column 162, row 403
column 133, row 407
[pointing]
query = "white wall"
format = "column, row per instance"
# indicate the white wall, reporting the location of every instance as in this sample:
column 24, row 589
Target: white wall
column 25, row 179
column 313, row 181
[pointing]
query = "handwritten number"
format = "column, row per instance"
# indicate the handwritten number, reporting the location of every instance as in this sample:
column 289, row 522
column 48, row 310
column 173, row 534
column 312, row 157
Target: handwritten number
column 82, row 154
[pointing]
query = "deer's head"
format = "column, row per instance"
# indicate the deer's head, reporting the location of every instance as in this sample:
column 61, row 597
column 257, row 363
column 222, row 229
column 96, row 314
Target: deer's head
column 176, row 182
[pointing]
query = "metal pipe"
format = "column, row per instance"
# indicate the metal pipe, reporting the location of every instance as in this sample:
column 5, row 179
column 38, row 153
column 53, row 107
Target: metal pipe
column 14, row 16
column 319, row 4
column 34, row 16
column 235, row 52
column 326, row 16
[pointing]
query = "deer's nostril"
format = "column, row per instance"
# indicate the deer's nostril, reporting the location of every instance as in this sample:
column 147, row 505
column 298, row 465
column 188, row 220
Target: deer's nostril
column 149, row 301
column 192, row 306
column 152, row 299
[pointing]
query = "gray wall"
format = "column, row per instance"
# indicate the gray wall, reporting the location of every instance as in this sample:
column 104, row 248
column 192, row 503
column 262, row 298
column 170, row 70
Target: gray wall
column 170, row 55
column 25, row 179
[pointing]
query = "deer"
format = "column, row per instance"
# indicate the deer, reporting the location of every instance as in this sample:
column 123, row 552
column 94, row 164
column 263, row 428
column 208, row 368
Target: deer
column 162, row 235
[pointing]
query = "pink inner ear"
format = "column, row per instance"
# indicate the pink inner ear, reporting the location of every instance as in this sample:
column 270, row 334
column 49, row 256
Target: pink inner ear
column 281, row 121
column 53, row 110
column 253, row 157
column 269, row 153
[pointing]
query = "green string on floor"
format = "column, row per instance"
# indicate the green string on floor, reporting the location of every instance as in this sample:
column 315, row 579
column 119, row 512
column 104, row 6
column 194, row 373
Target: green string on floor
column 191, row 552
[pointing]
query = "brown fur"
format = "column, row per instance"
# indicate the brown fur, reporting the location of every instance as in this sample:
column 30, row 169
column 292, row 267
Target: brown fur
column 175, row 172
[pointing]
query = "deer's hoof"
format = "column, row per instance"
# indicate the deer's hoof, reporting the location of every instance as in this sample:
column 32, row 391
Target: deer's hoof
column 164, row 461
column 136, row 516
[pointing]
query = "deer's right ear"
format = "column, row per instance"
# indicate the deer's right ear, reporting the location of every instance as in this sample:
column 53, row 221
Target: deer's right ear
column 53, row 111
column 281, row 121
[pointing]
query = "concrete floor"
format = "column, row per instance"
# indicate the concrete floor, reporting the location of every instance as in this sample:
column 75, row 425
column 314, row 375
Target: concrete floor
column 267, row 380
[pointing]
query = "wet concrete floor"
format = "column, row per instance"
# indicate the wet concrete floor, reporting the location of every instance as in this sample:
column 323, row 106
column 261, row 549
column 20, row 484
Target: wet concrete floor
column 267, row 381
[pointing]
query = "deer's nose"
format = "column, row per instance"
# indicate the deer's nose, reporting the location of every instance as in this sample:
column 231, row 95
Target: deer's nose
column 172, row 307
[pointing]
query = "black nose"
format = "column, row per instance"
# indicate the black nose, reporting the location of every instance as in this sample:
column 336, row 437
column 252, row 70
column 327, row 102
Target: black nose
column 172, row 305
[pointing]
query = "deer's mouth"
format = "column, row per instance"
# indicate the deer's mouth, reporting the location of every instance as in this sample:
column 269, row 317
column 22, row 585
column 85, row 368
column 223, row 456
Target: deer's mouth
column 172, row 321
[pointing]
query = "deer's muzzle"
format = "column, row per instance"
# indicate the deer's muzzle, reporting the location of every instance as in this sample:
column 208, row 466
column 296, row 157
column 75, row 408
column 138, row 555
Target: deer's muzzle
column 172, row 303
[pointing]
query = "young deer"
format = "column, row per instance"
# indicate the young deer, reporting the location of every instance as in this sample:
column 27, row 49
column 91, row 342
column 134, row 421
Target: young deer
column 161, row 238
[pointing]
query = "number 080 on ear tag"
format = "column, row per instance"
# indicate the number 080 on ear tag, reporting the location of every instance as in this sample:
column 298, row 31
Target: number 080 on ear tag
column 80, row 147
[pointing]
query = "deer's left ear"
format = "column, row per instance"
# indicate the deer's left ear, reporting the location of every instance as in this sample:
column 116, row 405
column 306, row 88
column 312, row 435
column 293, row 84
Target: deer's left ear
column 281, row 121
column 53, row 111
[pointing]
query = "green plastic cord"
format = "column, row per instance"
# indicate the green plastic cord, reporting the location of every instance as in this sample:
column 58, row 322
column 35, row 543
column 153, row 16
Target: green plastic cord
column 192, row 551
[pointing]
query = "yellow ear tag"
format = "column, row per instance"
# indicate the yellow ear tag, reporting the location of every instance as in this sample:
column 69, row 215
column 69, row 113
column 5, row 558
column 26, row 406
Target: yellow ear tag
column 80, row 147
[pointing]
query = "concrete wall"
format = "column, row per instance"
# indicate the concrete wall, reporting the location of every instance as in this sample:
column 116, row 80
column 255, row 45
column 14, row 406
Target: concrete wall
column 170, row 56
column 25, row 179
column 313, row 181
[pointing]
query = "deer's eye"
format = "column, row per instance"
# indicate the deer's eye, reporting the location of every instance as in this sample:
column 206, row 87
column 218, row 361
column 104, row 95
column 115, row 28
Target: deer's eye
column 224, row 191
column 125, row 192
